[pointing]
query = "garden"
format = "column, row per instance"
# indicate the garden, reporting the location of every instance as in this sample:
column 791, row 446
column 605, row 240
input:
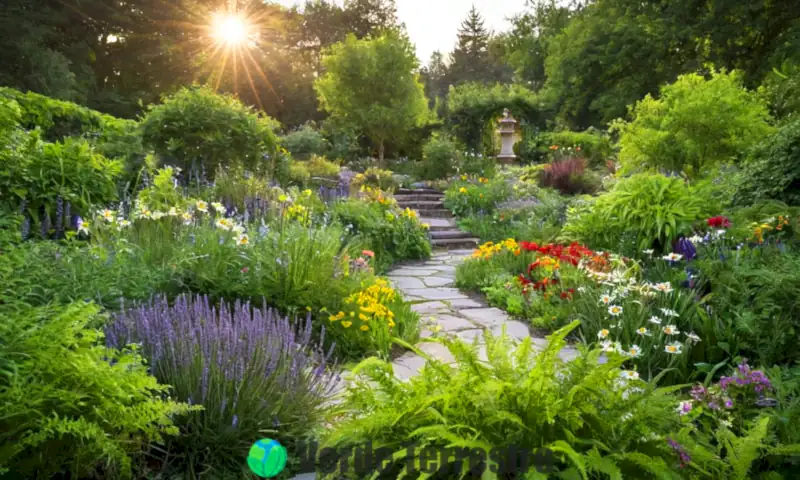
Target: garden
column 189, row 272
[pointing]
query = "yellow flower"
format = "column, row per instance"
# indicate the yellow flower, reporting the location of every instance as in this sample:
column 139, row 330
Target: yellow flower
column 243, row 240
column 364, row 328
column 463, row 177
column 426, row 226
column 363, row 317
column 347, row 324
column 352, row 314
column 307, row 192
column 202, row 206
column 462, row 190
column 282, row 198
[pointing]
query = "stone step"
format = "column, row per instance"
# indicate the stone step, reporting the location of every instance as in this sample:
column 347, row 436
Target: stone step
column 437, row 224
column 418, row 196
column 421, row 204
column 415, row 191
column 434, row 212
column 451, row 233
column 455, row 243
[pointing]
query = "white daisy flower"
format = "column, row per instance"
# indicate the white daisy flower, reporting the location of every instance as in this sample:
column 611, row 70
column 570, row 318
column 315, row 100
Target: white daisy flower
column 606, row 299
column 655, row 320
column 630, row 391
column 665, row 287
column 634, row 351
column 187, row 218
column 124, row 223
column 671, row 330
column 202, row 206
column 693, row 337
column 672, row 257
column 173, row 212
column 669, row 312
column 158, row 215
column 603, row 333
column 108, row 215
column 696, row 239
column 220, row 208
column 82, row 228
column 629, row 375
column 615, row 310
column 243, row 240
column 643, row 331
column 673, row 348
column 224, row 224
column 648, row 251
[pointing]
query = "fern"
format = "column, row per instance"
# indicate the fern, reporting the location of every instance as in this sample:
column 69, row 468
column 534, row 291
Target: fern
column 516, row 397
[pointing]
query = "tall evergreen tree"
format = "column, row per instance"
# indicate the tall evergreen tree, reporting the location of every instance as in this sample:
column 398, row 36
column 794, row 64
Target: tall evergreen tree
column 434, row 77
column 470, row 59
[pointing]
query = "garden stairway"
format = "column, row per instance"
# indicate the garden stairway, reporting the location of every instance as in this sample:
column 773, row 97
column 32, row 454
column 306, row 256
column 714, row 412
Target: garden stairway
column 428, row 204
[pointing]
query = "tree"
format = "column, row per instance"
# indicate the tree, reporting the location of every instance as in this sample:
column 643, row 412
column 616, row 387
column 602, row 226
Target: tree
column 372, row 85
column 469, row 62
column 694, row 125
column 434, row 77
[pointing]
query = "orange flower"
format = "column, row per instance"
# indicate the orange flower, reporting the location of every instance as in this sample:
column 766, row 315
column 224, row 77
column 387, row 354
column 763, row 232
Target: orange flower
column 368, row 253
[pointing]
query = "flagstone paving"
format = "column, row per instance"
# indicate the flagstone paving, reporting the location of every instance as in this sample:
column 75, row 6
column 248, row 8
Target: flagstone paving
column 445, row 310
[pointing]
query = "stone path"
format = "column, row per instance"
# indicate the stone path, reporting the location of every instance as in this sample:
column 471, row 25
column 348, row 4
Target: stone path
column 429, row 205
column 431, row 286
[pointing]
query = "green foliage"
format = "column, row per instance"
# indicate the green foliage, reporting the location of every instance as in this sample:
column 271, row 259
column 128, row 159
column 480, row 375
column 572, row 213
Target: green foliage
column 299, row 174
column 70, row 405
column 472, row 109
column 440, row 158
column 374, row 177
column 642, row 211
column 196, row 127
column 475, row 196
column 754, row 297
column 772, row 170
column 540, row 222
column 594, row 145
column 39, row 174
column 321, row 167
column 391, row 234
column 371, row 85
column 304, row 142
column 578, row 410
column 695, row 124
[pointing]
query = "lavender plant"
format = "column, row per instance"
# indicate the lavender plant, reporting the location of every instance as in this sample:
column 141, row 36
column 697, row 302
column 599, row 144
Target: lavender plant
column 255, row 372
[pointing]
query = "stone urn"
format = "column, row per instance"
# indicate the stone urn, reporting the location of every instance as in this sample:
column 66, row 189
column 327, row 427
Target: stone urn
column 508, row 138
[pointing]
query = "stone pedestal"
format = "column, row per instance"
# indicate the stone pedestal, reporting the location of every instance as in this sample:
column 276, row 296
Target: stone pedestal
column 508, row 138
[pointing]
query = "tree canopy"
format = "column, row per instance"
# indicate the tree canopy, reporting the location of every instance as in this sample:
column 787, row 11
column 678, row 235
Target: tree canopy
column 372, row 84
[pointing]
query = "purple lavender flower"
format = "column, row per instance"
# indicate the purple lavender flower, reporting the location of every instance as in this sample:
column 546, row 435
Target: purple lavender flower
column 683, row 457
column 686, row 248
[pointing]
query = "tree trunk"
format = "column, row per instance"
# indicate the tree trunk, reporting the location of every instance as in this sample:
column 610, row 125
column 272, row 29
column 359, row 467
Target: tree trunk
column 380, row 153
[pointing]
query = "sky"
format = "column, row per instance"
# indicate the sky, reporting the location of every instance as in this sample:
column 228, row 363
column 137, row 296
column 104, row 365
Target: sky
column 433, row 24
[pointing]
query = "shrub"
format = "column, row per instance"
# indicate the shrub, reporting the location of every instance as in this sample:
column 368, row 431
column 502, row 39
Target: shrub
column 772, row 170
column 370, row 318
column 440, row 158
column 71, row 406
column 197, row 127
column 392, row 234
column 52, row 181
column 568, row 176
column 588, row 419
column 252, row 370
column 321, row 167
column 299, row 174
column 472, row 196
column 304, row 143
column 375, row 177
column 693, row 125
column 593, row 145
column 642, row 211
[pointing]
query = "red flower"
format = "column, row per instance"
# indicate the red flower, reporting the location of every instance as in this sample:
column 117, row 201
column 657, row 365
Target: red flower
column 368, row 253
column 529, row 246
column 719, row 222
column 523, row 280
column 565, row 295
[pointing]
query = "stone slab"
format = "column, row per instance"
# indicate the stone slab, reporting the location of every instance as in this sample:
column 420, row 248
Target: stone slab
column 408, row 366
column 471, row 335
column 450, row 323
column 465, row 303
column 437, row 351
column 437, row 281
column 404, row 283
column 411, row 272
column 444, row 268
column 437, row 293
column 429, row 307
column 488, row 317
column 514, row 329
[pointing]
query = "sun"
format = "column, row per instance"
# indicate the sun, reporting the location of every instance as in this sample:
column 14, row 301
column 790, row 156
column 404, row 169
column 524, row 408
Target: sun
column 230, row 30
